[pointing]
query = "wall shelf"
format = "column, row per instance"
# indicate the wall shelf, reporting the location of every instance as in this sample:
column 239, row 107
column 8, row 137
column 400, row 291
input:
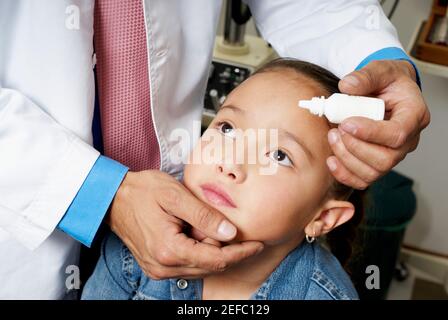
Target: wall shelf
column 423, row 66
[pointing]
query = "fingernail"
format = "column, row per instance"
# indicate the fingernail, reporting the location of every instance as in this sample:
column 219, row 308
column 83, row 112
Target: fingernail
column 259, row 250
column 332, row 137
column 351, row 81
column 332, row 164
column 349, row 127
column 226, row 229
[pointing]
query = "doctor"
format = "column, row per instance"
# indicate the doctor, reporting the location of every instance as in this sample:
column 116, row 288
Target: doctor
column 151, row 71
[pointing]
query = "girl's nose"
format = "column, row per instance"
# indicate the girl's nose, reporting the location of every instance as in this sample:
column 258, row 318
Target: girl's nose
column 232, row 171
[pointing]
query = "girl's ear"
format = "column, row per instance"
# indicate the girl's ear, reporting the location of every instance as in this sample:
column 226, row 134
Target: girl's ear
column 331, row 215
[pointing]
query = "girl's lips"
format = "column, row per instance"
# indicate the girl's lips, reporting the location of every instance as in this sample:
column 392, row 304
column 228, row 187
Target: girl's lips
column 217, row 196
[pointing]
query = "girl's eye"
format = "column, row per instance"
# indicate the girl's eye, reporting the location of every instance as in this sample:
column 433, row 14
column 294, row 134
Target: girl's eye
column 226, row 129
column 281, row 157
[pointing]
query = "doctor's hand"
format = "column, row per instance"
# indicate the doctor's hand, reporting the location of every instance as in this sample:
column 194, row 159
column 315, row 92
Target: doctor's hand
column 364, row 149
column 148, row 214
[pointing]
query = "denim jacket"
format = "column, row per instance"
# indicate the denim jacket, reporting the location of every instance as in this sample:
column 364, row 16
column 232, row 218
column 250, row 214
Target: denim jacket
column 308, row 272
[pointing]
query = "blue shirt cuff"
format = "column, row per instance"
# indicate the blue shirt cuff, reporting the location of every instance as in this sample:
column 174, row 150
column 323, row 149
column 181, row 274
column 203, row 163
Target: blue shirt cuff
column 85, row 214
column 390, row 53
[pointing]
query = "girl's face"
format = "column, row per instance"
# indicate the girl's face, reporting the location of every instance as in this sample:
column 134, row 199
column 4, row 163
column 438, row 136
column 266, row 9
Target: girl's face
column 273, row 207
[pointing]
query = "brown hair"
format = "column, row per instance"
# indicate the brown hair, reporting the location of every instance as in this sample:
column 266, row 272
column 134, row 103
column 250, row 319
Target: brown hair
column 340, row 240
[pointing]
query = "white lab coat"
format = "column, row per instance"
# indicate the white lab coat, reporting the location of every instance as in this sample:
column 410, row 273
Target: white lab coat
column 47, row 101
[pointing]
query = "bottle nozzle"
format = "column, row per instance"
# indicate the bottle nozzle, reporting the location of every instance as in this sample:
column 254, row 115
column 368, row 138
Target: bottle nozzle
column 315, row 105
column 341, row 106
column 306, row 104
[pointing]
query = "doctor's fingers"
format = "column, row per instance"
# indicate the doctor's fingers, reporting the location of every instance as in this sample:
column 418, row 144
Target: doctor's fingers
column 207, row 256
column 375, row 77
column 343, row 175
column 393, row 133
column 158, row 272
column 395, row 81
column 380, row 158
column 212, row 242
column 178, row 201
column 359, row 168
column 198, row 235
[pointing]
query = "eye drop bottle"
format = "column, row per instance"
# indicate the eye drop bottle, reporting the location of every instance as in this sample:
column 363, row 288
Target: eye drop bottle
column 340, row 106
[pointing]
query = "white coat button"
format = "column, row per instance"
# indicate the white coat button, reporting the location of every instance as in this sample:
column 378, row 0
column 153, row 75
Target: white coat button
column 182, row 284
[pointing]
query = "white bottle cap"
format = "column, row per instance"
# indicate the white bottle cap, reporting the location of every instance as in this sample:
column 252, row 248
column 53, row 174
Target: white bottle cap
column 316, row 105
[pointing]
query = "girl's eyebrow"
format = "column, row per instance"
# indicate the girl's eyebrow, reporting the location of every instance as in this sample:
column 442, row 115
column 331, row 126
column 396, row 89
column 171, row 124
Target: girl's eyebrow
column 297, row 140
column 233, row 108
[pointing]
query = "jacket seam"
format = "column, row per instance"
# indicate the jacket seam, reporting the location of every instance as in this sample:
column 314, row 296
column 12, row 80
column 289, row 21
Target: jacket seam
column 329, row 286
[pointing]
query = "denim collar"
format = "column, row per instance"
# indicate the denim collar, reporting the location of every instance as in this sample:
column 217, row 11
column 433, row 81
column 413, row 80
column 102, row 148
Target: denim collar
column 295, row 270
column 291, row 279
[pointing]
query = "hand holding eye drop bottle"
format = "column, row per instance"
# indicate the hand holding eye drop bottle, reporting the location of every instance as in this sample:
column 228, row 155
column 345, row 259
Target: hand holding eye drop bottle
column 339, row 107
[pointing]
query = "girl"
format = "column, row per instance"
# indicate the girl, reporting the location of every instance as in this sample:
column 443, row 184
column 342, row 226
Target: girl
column 286, row 209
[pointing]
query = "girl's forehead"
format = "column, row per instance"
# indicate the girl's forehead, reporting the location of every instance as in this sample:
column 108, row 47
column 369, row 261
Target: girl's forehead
column 275, row 95
column 282, row 86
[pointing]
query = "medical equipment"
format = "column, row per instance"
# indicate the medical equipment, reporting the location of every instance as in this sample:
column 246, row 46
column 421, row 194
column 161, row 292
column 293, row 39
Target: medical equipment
column 235, row 56
column 339, row 107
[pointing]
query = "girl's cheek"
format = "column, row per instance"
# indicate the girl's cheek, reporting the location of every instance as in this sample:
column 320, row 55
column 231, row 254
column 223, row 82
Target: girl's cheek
column 270, row 194
column 283, row 195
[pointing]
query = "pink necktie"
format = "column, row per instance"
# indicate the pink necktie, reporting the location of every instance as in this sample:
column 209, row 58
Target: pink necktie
column 123, row 84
